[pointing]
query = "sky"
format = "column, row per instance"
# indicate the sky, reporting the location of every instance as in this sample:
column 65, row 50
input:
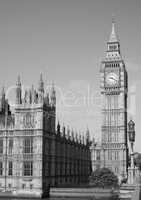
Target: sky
column 66, row 41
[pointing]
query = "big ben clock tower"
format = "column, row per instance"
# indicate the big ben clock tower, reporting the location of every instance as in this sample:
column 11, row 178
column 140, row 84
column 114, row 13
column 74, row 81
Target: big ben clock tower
column 113, row 84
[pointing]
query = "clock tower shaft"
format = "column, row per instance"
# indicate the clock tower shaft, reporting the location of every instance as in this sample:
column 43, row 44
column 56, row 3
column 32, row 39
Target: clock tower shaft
column 114, row 86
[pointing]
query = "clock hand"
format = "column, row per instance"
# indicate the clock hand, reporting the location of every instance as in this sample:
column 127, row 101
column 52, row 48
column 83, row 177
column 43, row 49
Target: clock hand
column 112, row 78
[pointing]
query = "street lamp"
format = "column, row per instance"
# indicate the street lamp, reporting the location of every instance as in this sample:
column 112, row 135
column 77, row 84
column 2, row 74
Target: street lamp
column 131, row 133
column 131, row 169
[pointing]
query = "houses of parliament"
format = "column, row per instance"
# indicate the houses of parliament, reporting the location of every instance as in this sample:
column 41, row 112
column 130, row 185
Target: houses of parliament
column 33, row 154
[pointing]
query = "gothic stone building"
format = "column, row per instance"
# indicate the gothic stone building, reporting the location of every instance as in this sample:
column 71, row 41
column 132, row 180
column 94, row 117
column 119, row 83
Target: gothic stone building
column 113, row 150
column 33, row 155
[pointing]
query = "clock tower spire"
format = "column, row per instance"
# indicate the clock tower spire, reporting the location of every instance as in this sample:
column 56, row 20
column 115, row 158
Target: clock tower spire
column 113, row 84
column 113, row 45
column 113, row 36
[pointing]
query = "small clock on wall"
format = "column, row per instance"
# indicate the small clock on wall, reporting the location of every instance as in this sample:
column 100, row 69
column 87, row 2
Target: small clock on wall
column 112, row 79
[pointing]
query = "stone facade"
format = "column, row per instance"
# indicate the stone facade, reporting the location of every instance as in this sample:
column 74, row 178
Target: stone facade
column 113, row 152
column 33, row 154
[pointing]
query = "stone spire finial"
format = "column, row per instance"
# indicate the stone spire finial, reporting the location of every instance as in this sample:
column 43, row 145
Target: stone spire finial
column 72, row 134
column 41, row 90
column 80, row 138
column 58, row 128
column 3, row 92
column 18, row 91
column 87, row 135
column 83, row 139
column 18, row 81
column 76, row 136
column 32, row 94
column 64, row 130
column 53, row 95
column 2, row 99
column 41, row 77
column 68, row 132
column 41, row 83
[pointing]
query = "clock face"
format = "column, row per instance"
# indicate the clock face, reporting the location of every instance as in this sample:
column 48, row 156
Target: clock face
column 112, row 79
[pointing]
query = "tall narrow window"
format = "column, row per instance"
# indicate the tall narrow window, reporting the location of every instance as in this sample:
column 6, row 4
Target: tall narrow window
column 116, row 155
column 27, row 168
column 1, row 146
column 10, row 146
column 109, row 155
column 1, row 168
column 10, row 168
column 28, row 145
column 98, row 155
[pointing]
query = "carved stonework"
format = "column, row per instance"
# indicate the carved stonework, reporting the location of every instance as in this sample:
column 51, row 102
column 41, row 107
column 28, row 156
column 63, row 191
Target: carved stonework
column 28, row 120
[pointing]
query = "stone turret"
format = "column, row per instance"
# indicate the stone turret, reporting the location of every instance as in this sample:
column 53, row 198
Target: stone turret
column 18, row 91
column 64, row 131
column 83, row 139
column 2, row 100
column 32, row 94
column 87, row 136
column 41, row 89
column 53, row 96
column 68, row 132
column 76, row 137
column 4, row 105
column 80, row 138
column 72, row 135
column 58, row 128
column 41, row 84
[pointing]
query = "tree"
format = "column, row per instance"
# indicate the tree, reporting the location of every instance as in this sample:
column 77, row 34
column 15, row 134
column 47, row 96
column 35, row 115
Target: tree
column 137, row 160
column 103, row 177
